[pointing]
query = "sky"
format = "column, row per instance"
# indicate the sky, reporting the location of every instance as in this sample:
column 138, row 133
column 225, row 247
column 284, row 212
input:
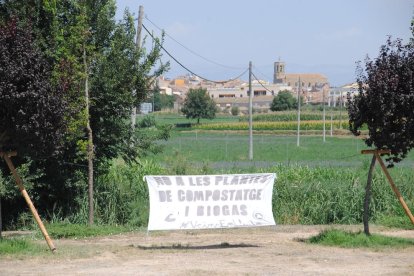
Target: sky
column 310, row 36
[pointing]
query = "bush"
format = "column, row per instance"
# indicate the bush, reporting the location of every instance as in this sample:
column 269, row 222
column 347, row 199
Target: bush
column 235, row 110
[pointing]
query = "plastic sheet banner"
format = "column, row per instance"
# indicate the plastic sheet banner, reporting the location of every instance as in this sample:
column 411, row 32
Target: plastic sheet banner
column 210, row 201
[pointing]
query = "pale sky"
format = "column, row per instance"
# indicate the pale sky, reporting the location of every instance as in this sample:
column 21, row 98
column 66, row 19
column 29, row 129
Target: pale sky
column 310, row 36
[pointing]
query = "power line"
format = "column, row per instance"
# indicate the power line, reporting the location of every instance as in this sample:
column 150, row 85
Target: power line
column 262, row 84
column 183, row 66
column 191, row 51
column 263, row 74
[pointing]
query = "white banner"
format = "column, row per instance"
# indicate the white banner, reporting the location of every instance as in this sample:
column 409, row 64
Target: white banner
column 210, row 201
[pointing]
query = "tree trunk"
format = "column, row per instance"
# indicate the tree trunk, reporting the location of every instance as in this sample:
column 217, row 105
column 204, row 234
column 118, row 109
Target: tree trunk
column 90, row 147
column 90, row 174
column 1, row 221
column 367, row 198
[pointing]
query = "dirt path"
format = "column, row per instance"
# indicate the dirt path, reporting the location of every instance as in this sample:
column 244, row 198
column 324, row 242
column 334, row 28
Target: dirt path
column 254, row 251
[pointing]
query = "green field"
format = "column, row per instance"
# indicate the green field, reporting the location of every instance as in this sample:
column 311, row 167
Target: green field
column 317, row 182
column 230, row 149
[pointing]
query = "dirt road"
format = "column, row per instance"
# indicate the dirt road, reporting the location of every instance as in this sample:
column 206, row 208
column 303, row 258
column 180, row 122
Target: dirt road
column 251, row 251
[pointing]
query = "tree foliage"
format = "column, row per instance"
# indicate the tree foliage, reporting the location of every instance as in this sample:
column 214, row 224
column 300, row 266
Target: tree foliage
column 284, row 101
column 32, row 110
column 385, row 102
column 161, row 101
column 121, row 69
column 198, row 105
column 119, row 78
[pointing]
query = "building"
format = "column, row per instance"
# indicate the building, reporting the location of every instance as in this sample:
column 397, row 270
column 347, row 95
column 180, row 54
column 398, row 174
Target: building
column 309, row 81
column 315, row 89
column 263, row 94
column 313, row 84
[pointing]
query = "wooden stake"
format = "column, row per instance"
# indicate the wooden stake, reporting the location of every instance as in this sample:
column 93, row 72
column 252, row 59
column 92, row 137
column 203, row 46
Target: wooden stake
column 29, row 202
column 393, row 186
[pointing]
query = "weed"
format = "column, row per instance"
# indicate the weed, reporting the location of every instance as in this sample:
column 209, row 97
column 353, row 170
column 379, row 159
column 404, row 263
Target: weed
column 354, row 240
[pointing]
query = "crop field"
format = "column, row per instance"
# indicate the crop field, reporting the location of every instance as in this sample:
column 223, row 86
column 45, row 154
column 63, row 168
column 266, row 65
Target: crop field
column 230, row 148
column 318, row 182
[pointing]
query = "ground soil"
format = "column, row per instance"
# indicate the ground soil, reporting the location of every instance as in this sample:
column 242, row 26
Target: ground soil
column 276, row 250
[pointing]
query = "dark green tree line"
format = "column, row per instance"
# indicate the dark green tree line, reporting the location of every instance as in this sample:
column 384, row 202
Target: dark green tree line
column 87, row 51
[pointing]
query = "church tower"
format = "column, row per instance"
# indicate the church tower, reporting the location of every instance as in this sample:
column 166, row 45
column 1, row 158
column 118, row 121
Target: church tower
column 279, row 72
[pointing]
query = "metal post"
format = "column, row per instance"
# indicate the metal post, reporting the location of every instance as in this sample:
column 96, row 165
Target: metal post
column 324, row 119
column 332, row 99
column 340, row 111
column 298, row 134
column 250, row 113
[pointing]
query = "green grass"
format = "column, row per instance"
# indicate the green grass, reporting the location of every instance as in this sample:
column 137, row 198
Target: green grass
column 69, row 230
column 172, row 119
column 230, row 147
column 358, row 240
column 318, row 183
column 10, row 246
column 401, row 222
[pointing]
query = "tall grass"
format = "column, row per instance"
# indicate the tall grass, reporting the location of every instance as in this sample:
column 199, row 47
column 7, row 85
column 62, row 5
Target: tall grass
column 305, row 192
column 121, row 196
column 330, row 195
column 302, row 194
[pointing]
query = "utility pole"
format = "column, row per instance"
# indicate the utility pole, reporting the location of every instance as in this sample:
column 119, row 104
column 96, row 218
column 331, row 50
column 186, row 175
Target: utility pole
column 324, row 118
column 340, row 111
column 139, row 26
column 138, row 46
column 250, row 113
column 299, row 90
column 332, row 99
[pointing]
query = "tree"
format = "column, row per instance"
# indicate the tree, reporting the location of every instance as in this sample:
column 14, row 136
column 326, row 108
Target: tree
column 386, row 100
column 198, row 104
column 31, row 108
column 161, row 101
column 283, row 101
column 68, row 33
column 385, row 105
column 235, row 110
column 120, row 69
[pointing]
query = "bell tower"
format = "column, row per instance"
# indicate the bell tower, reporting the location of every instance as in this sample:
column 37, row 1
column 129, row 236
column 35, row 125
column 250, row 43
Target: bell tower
column 279, row 72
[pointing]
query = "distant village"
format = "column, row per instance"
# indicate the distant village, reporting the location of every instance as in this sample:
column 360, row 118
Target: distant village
column 315, row 90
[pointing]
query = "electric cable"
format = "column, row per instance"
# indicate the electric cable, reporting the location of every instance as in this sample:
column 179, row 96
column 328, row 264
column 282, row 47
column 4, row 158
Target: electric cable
column 263, row 74
column 262, row 84
column 191, row 51
column 186, row 68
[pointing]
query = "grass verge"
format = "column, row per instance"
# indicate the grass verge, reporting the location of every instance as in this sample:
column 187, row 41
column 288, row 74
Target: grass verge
column 401, row 222
column 359, row 240
column 69, row 230
column 10, row 246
